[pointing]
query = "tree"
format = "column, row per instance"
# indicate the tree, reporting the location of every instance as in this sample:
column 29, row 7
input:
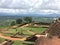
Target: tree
column 19, row 21
column 13, row 23
column 28, row 19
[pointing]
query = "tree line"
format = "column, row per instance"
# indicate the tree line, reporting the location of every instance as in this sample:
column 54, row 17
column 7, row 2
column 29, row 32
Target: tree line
column 21, row 21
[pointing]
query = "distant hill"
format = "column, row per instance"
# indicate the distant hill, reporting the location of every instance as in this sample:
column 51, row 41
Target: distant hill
column 31, row 14
column 36, row 17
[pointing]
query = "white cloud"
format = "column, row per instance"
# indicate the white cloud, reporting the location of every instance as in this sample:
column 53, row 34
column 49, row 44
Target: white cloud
column 51, row 4
column 24, row 11
column 30, row 6
column 50, row 11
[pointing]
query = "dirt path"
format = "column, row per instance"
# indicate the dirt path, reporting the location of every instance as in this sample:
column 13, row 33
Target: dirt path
column 22, row 39
column 24, row 26
column 27, row 30
column 31, row 32
column 10, row 38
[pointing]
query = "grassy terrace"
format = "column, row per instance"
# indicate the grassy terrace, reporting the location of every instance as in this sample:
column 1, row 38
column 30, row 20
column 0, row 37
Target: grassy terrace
column 35, row 29
column 22, row 42
column 24, row 30
column 18, row 42
column 1, row 40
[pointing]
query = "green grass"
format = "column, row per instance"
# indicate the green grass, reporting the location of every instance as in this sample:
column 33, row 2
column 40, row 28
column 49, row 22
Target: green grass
column 22, row 42
column 24, row 30
column 1, row 27
column 36, row 30
column 7, row 34
column 1, row 40
column 17, row 43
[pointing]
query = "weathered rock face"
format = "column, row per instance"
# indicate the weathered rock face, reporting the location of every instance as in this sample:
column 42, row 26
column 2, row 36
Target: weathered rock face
column 48, row 41
column 54, row 31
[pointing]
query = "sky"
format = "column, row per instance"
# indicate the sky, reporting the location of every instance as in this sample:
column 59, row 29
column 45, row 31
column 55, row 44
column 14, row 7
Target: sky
column 30, row 6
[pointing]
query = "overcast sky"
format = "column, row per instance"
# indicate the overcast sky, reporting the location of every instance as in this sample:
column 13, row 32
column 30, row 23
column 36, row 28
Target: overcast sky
column 30, row 6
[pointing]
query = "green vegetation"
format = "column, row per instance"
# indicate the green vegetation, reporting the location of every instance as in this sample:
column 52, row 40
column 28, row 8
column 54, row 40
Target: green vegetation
column 35, row 30
column 25, row 31
column 28, row 19
column 17, row 43
column 1, row 40
column 22, row 42
column 13, row 23
column 7, row 34
column 19, row 21
column 2, row 27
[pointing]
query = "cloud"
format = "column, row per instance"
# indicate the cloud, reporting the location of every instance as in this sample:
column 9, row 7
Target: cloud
column 30, row 6
column 21, row 4
column 51, row 4
column 24, row 11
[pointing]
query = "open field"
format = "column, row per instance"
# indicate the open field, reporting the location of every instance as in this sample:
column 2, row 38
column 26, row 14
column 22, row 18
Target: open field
column 22, row 43
column 17, row 42
column 27, row 31
column 1, row 40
